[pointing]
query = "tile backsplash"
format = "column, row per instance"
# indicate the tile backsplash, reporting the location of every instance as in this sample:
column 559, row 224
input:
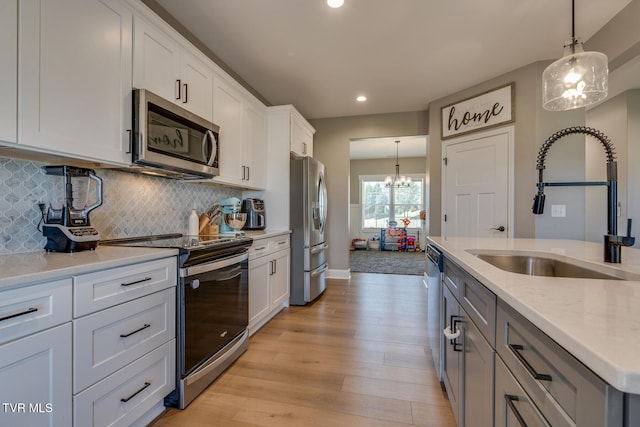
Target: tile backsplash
column 133, row 205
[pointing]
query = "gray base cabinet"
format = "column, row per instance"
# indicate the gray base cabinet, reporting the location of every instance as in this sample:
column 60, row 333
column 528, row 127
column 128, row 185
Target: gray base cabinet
column 501, row 370
column 469, row 308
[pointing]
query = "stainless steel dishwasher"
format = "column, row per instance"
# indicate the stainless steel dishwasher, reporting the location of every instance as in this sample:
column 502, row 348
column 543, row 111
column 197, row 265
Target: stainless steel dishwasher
column 435, row 321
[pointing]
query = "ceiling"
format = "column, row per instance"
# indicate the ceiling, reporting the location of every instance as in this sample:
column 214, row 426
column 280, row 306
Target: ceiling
column 401, row 54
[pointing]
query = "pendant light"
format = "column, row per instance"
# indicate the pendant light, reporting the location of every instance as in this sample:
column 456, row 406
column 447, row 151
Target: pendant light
column 576, row 80
column 397, row 181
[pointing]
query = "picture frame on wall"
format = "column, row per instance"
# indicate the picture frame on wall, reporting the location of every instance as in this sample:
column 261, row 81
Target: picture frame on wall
column 486, row 110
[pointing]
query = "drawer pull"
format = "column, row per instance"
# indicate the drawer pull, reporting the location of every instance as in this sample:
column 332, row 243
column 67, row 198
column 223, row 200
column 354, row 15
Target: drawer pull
column 22, row 313
column 516, row 348
column 261, row 248
column 146, row 279
column 146, row 325
column 126, row 399
column 510, row 399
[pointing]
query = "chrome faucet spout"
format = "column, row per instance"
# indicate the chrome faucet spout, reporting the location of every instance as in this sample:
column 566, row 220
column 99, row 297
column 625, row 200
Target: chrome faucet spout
column 612, row 242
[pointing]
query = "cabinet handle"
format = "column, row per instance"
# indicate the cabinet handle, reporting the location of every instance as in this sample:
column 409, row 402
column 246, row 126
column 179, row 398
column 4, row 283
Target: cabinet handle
column 248, row 173
column 275, row 266
column 146, row 279
column 510, row 399
column 22, row 313
column 186, row 93
column 244, row 173
column 261, row 248
column 516, row 349
column 126, row 399
column 178, row 87
column 304, row 148
column 271, row 268
column 130, row 132
column 146, row 325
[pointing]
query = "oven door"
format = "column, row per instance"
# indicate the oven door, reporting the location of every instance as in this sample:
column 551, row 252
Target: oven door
column 214, row 308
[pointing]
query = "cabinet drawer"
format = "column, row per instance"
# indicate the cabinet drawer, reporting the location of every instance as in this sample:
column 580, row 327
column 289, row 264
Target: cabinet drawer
column 551, row 376
column 102, row 289
column 478, row 301
column 513, row 406
column 123, row 397
column 108, row 340
column 30, row 309
column 480, row 305
column 262, row 247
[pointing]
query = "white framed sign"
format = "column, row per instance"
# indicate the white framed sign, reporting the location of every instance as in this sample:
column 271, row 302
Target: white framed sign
column 489, row 109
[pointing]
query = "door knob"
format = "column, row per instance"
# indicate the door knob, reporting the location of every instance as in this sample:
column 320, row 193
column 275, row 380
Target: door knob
column 500, row 228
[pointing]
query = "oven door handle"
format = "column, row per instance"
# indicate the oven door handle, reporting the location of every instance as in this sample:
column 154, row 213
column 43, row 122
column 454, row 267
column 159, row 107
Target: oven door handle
column 213, row 265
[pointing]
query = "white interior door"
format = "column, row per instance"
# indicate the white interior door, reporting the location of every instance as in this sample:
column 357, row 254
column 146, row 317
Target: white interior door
column 477, row 181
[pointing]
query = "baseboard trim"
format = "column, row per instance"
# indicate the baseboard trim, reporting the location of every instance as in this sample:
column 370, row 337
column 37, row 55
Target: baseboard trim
column 339, row 274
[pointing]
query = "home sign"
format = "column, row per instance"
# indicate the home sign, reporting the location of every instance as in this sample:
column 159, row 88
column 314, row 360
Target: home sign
column 483, row 111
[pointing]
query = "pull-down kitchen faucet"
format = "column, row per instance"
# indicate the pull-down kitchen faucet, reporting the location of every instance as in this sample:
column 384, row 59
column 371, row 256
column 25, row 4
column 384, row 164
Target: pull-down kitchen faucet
column 612, row 242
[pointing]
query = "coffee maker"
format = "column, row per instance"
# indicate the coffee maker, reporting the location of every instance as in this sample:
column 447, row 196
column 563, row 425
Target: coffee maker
column 73, row 193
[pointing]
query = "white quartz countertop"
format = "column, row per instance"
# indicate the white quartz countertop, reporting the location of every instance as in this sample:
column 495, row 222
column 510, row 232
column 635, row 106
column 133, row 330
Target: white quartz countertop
column 265, row 234
column 597, row 321
column 32, row 267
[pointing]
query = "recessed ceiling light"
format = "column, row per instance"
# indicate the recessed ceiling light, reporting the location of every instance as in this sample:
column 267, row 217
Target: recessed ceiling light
column 335, row 3
column 361, row 98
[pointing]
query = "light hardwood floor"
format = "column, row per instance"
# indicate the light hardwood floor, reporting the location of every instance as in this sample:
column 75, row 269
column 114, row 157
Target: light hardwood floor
column 357, row 356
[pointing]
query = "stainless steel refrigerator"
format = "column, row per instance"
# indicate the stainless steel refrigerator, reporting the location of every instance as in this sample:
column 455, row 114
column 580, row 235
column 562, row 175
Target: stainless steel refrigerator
column 308, row 215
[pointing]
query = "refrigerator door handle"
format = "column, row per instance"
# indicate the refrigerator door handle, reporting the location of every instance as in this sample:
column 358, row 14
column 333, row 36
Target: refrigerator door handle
column 319, row 271
column 319, row 248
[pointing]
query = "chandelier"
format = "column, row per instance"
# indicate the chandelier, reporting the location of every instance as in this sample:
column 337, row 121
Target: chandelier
column 576, row 80
column 397, row 181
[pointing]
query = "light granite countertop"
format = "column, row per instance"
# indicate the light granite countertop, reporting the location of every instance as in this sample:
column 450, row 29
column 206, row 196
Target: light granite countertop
column 597, row 321
column 24, row 269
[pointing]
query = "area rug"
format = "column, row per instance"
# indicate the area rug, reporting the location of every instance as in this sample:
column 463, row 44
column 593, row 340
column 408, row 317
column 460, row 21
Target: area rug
column 387, row 262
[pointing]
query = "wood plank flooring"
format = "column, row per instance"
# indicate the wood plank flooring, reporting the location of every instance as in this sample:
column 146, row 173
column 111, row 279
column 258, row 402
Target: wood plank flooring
column 357, row 356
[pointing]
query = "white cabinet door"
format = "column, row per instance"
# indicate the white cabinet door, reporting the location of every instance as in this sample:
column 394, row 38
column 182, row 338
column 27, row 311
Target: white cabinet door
column 254, row 148
column 259, row 272
column 75, row 77
column 228, row 112
column 8, row 70
column 197, row 85
column 301, row 136
column 279, row 279
column 156, row 60
column 165, row 67
column 35, row 379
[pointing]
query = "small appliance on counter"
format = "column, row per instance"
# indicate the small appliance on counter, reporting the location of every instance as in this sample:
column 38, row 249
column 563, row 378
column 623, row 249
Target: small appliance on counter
column 73, row 193
column 256, row 215
column 231, row 217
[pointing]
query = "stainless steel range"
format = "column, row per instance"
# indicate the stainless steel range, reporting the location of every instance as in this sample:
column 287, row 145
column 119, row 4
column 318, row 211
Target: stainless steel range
column 212, row 307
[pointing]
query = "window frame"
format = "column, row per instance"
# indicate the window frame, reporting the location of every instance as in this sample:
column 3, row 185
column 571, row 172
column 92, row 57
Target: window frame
column 380, row 178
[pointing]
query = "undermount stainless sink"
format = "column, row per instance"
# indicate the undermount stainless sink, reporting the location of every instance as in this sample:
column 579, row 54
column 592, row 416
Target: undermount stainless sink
column 546, row 265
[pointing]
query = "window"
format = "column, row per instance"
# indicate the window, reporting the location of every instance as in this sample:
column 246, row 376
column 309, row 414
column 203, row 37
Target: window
column 381, row 204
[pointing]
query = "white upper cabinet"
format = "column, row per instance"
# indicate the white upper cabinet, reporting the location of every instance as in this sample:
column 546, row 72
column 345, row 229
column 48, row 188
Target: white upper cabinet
column 242, row 136
column 301, row 135
column 8, row 70
column 167, row 68
column 74, row 91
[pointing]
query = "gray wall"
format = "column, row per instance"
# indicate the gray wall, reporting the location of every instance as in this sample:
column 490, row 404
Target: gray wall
column 331, row 147
column 410, row 165
column 532, row 126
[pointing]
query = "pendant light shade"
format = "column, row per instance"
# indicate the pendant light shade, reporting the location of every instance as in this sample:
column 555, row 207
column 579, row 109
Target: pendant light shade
column 576, row 80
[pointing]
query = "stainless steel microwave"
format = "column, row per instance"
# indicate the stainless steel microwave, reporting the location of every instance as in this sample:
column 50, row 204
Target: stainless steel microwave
column 171, row 141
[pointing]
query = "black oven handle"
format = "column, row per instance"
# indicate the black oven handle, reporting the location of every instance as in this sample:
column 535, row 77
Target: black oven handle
column 213, row 265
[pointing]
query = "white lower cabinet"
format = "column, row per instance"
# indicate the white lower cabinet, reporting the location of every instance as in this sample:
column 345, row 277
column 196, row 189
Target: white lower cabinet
column 123, row 397
column 35, row 379
column 123, row 342
column 268, row 279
